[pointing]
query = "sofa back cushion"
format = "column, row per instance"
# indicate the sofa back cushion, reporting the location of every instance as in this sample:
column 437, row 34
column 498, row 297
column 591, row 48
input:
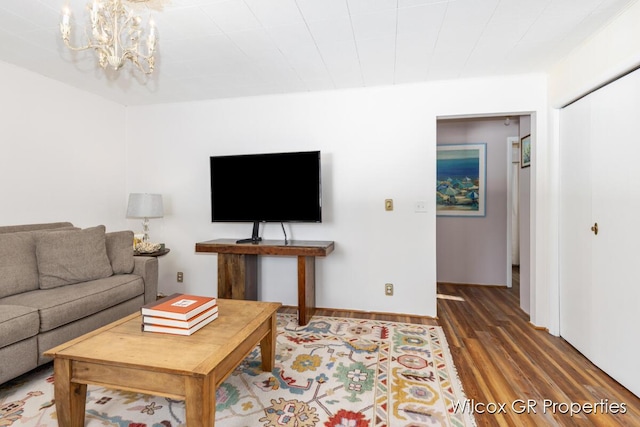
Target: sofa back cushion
column 120, row 251
column 34, row 227
column 18, row 266
column 71, row 256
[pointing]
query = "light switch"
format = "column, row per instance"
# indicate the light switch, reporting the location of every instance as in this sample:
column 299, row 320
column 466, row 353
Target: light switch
column 388, row 204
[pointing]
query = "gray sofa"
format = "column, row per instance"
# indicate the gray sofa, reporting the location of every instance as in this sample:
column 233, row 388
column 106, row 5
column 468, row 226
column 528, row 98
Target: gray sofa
column 58, row 282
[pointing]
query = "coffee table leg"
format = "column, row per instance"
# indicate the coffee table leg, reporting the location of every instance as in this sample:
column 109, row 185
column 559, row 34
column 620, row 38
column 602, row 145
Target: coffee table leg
column 200, row 401
column 268, row 346
column 70, row 397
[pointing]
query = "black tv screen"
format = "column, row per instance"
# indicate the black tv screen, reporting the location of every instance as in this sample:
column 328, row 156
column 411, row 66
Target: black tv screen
column 274, row 187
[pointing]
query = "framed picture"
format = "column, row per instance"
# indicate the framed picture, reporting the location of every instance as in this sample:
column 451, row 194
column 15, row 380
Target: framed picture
column 461, row 180
column 525, row 151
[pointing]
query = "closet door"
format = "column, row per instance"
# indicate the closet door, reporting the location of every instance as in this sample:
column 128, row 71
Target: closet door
column 616, row 209
column 576, row 293
column 600, row 183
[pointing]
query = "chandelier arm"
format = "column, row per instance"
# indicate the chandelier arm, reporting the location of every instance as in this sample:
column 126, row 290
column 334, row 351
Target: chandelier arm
column 65, row 30
column 66, row 35
column 121, row 31
column 134, row 58
column 68, row 44
column 134, row 55
column 130, row 51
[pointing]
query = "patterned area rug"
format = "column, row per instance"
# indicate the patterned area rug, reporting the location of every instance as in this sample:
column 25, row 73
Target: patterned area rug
column 335, row 372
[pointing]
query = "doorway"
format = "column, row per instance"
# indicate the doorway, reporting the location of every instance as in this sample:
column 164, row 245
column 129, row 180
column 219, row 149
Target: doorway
column 478, row 251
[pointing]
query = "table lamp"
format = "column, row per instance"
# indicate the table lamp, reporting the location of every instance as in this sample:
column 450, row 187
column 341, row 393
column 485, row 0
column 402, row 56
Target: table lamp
column 144, row 205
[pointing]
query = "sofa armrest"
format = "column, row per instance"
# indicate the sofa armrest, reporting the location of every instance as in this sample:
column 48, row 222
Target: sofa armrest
column 147, row 268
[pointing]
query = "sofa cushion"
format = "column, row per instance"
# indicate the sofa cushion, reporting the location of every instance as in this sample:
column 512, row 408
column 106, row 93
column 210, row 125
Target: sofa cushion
column 71, row 256
column 69, row 303
column 17, row 323
column 17, row 359
column 33, row 227
column 18, row 266
column 120, row 251
column 48, row 340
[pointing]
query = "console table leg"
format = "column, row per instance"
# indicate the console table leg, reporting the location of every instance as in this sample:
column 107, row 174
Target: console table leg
column 306, row 288
column 238, row 276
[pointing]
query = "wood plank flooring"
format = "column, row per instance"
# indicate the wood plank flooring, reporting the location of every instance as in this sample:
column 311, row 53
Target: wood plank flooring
column 501, row 358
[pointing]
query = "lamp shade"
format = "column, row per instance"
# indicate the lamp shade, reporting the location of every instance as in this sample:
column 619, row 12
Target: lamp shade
column 144, row 205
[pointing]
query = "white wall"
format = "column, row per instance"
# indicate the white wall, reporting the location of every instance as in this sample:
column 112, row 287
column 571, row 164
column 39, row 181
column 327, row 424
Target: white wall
column 377, row 143
column 609, row 53
column 62, row 153
column 364, row 139
column 473, row 250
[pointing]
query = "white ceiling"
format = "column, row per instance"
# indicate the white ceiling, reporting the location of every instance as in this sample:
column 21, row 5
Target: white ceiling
column 229, row 48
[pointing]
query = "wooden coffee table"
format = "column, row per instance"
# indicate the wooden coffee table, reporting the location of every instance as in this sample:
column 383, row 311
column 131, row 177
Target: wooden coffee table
column 188, row 368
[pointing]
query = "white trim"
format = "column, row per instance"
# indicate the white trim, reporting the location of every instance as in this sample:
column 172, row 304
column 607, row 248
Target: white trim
column 511, row 141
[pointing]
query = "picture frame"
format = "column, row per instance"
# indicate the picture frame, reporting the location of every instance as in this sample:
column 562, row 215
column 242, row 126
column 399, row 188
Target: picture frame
column 525, row 151
column 461, row 175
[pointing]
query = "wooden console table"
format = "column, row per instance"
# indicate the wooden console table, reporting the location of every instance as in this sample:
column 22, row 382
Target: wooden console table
column 238, row 268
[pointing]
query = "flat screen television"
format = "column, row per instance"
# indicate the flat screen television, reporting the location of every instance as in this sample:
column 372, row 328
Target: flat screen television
column 270, row 187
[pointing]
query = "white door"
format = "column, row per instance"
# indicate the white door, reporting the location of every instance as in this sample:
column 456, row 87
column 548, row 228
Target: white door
column 600, row 183
column 574, row 226
column 616, row 209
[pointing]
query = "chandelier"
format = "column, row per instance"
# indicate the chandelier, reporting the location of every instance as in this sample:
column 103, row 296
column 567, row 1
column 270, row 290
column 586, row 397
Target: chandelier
column 116, row 35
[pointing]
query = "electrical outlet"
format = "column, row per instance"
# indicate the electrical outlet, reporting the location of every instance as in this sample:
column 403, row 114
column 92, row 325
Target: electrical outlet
column 180, row 277
column 388, row 289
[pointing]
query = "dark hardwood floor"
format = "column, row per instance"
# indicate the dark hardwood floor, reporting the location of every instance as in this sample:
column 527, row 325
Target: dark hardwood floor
column 502, row 359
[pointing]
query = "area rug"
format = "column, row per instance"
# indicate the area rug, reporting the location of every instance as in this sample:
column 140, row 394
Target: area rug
column 334, row 372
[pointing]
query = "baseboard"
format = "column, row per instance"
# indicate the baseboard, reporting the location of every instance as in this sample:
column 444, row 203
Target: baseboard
column 539, row 328
column 378, row 313
column 471, row 284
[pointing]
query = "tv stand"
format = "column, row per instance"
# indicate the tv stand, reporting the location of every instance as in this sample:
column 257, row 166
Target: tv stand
column 238, row 268
column 255, row 238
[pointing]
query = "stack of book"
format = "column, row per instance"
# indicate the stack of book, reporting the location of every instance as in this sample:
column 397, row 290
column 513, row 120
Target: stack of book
column 179, row 314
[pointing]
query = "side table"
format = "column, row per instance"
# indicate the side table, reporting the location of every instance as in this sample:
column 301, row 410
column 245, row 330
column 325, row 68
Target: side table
column 157, row 253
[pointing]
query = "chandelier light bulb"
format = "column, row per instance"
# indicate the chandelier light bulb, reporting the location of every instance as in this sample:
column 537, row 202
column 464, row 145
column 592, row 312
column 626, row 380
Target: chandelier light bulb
column 66, row 15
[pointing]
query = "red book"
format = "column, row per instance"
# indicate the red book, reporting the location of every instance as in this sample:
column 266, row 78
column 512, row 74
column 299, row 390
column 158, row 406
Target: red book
column 178, row 306
column 179, row 331
column 155, row 320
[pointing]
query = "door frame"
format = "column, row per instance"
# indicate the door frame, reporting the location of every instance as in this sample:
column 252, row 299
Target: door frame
column 511, row 142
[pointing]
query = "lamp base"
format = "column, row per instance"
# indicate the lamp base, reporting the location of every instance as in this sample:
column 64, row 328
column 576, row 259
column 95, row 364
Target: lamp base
column 145, row 230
